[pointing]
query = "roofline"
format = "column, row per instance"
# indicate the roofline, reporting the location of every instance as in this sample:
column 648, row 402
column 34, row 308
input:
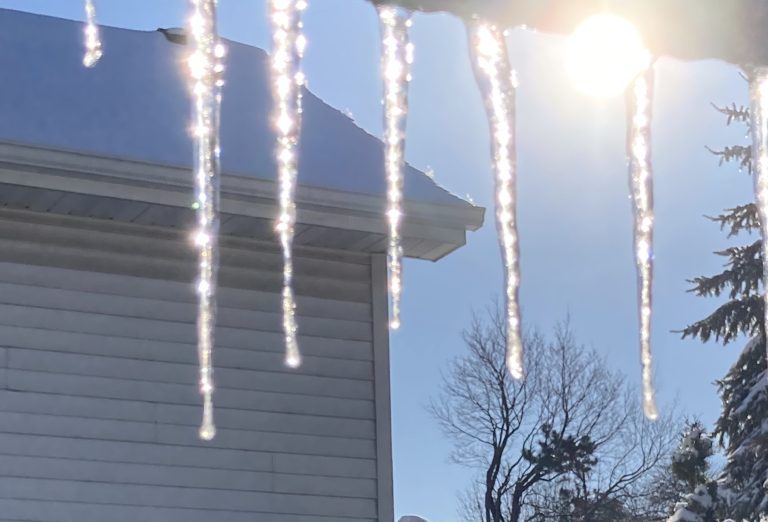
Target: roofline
column 112, row 177
column 441, row 196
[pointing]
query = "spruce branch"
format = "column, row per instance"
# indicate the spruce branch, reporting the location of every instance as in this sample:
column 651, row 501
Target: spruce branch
column 736, row 317
column 743, row 275
column 742, row 154
column 736, row 219
column 734, row 113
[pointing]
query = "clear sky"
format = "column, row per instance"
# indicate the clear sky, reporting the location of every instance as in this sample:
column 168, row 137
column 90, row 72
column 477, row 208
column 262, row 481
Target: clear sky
column 574, row 210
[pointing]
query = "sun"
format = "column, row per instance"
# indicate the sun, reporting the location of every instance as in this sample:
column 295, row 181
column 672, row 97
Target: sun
column 604, row 54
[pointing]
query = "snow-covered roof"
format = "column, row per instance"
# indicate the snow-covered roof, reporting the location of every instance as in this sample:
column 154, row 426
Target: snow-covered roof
column 134, row 105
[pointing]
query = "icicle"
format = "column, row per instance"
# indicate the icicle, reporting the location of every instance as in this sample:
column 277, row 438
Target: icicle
column 92, row 40
column 498, row 85
column 288, row 43
column 205, row 64
column 759, row 128
column 397, row 57
column 639, row 114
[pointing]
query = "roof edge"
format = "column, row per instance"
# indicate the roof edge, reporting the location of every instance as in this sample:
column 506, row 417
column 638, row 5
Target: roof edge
column 110, row 177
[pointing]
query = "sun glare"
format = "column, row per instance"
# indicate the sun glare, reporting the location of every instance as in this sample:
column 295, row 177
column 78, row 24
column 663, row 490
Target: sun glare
column 604, row 54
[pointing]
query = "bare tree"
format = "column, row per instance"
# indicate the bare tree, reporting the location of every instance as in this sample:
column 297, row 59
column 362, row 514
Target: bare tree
column 565, row 444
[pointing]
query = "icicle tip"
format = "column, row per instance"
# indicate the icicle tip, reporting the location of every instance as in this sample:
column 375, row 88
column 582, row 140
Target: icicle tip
column 515, row 365
column 91, row 34
column 90, row 59
column 207, row 426
column 207, row 432
column 650, row 410
column 293, row 360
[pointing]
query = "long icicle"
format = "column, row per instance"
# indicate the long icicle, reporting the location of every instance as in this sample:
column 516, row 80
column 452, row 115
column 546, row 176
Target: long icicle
column 759, row 129
column 91, row 36
column 498, row 85
column 396, row 60
column 639, row 117
column 288, row 44
column 206, row 70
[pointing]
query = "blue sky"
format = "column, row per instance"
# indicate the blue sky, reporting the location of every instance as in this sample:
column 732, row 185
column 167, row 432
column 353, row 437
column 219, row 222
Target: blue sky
column 574, row 210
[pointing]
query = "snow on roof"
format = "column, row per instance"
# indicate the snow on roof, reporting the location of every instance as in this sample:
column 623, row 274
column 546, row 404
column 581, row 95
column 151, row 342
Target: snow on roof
column 135, row 105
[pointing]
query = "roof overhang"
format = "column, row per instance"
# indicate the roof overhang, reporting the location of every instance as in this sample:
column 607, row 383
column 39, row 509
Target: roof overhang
column 79, row 184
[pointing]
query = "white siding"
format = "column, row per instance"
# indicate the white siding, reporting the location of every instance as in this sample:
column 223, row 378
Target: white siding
column 98, row 402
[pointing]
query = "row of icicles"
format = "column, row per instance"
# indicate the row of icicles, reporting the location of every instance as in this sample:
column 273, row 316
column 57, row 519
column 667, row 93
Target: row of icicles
column 497, row 82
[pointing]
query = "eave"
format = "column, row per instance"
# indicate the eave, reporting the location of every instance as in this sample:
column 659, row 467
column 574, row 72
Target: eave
column 84, row 185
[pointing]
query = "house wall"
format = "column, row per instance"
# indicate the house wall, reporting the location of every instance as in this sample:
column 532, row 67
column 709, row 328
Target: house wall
column 98, row 403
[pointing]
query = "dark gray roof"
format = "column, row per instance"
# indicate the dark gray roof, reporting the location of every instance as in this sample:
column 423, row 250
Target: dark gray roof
column 134, row 104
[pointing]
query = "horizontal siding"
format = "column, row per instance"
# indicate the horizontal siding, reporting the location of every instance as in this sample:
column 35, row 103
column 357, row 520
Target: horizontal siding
column 46, row 511
column 147, row 412
column 138, row 308
column 114, row 325
column 163, row 475
column 163, row 372
column 268, row 344
column 191, row 498
column 118, row 285
column 111, row 388
column 129, row 431
column 118, row 453
column 179, row 269
column 256, row 265
column 98, row 402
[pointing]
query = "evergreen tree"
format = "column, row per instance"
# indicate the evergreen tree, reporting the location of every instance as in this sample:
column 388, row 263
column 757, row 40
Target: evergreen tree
column 742, row 428
column 690, row 463
column 689, row 468
column 699, row 506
